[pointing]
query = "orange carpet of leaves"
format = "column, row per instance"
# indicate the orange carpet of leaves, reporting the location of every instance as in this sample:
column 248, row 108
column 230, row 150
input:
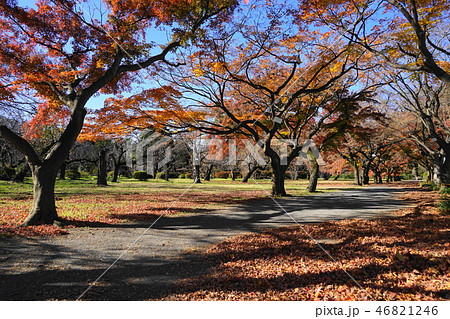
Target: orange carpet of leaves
column 405, row 257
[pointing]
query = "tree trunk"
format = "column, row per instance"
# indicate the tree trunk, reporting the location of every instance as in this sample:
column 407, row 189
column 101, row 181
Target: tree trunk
column 251, row 169
column 44, row 208
column 197, row 174
column 429, row 174
column 45, row 171
column 356, row 170
column 279, row 174
column 102, row 170
column 389, row 176
column 415, row 171
column 62, row 171
column 208, row 172
column 233, row 175
column 366, row 178
column 116, row 168
column 166, row 173
column 115, row 172
column 378, row 178
column 314, row 175
column 442, row 165
column 445, row 178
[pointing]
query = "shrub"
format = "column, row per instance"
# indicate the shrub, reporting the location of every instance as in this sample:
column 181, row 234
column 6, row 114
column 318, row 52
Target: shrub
column 182, row 176
column 188, row 175
column 140, row 175
column 349, row 176
column 431, row 186
column 444, row 207
column 265, row 174
column 445, row 191
column 237, row 174
column 7, row 173
column 222, row 174
column 125, row 171
column 161, row 175
column 84, row 174
column 73, row 174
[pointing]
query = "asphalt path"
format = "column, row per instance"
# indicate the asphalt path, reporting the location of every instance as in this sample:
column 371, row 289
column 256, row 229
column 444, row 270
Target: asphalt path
column 143, row 262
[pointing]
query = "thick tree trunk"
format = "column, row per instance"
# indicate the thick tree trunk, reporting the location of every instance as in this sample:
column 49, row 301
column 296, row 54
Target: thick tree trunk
column 314, row 175
column 279, row 174
column 45, row 171
column 62, row 171
column 102, row 170
column 251, row 169
column 208, row 172
column 43, row 209
column 197, row 174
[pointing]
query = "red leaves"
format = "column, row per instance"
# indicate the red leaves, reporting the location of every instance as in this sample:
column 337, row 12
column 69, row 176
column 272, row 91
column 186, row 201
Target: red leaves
column 403, row 258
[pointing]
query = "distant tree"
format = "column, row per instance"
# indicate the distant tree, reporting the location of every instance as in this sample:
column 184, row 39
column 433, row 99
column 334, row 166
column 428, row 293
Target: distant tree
column 423, row 115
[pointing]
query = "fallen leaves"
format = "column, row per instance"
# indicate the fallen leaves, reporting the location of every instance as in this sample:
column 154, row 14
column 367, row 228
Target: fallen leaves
column 400, row 258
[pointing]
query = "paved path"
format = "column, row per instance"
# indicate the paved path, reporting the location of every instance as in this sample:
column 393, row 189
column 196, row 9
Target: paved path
column 62, row 267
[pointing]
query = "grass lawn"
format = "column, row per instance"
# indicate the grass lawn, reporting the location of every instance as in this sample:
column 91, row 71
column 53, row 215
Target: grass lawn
column 133, row 201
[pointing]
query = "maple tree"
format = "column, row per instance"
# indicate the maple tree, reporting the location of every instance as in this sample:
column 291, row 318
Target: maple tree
column 423, row 103
column 264, row 78
column 410, row 35
column 65, row 55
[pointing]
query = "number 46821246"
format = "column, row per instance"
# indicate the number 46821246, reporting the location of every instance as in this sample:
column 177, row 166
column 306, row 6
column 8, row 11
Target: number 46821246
column 407, row 310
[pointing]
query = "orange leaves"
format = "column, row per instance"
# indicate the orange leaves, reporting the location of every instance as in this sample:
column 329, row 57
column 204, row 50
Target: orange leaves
column 49, row 116
column 154, row 108
column 71, row 45
column 392, row 259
